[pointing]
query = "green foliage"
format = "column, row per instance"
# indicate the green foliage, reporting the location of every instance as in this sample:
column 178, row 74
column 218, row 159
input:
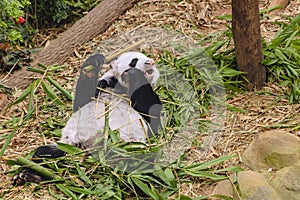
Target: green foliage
column 282, row 59
column 191, row 83
column 55, row 13
column 80, row 175
column 10, row 11
column 55, row 98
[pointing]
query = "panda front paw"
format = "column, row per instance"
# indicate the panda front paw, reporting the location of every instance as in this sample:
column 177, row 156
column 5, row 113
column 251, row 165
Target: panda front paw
column 26, row 176
column 47, row 151
column 101, row 84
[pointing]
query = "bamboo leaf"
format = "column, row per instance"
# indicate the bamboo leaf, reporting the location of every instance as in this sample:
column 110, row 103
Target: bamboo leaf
column 205, row 175
column 211, row 49
column 51, row 94
column 31, row 97
column 151, row 193
column 80, row 190
column 183, row 197
column 286, row 33
column 165, row 175
column 291, row 38
column 54, row 194
column 206, row 165
column 227, row 17
column 279, row 53
column 108, row 195
column 32, row 69
column 61, row 89
column 201, row 198
column 82, row 175
column 56, row 67
column 65, row 190
column 42, row 66
column 25, row 93
column 230, row 169
column 72, row 150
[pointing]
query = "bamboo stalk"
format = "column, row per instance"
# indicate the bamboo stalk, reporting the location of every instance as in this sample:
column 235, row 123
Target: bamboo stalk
column 128, row 48
column 39, row 169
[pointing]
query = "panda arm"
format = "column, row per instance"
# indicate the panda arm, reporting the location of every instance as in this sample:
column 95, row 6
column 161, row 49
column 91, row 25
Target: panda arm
column 144, row 99
column 87, row 82
column 107, row 80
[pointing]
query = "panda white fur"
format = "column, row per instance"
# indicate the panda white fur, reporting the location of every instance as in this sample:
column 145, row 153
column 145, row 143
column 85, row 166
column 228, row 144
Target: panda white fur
column 87, row 124
column 124, row 62
column 128, row 60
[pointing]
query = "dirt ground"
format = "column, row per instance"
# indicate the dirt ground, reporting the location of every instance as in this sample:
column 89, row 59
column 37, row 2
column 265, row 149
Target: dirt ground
column 261, row 110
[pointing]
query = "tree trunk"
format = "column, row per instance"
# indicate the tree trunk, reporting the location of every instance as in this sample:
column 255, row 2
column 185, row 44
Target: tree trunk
column 247, row 41
column 94, row 23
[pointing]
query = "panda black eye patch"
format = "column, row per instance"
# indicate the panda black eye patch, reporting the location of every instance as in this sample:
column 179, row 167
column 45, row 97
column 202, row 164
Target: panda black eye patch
column 133, row 62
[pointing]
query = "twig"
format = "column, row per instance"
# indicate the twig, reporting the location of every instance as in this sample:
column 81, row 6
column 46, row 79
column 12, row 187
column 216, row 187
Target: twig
column 7, row 142
column 130, row 47
column 10, row 71
column 106, row 126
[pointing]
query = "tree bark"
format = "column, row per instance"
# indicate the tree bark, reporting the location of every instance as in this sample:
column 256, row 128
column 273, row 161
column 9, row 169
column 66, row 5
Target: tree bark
column 94, row 23
column 247, row 41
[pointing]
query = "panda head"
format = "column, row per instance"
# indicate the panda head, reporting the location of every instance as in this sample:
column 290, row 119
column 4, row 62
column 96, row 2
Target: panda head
column 134, row 60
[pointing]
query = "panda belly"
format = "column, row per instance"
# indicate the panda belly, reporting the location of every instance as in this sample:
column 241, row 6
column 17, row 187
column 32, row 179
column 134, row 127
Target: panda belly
column 87, row 124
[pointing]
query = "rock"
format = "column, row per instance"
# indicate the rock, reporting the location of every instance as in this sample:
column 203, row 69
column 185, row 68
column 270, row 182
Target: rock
column 223, row 188
column 276, row 150
column 252, row 186
column 272, row 149
column 287, row 182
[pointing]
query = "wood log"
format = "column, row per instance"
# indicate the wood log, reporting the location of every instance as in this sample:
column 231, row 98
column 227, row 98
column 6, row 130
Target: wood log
column 247, row 41
column 94, row 23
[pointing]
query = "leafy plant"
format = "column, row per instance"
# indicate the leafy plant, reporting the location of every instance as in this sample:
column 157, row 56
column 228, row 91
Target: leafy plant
column 10, row 19
column 282, row 59
column 54, row 13
column 190, row 84
column 49, row 87
column 81, row 174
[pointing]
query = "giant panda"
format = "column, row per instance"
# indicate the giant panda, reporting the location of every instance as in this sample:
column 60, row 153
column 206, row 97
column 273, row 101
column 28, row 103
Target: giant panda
column 132, row 74
column 125, row 92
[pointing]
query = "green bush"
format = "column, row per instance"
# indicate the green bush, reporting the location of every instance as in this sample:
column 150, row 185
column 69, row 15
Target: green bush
column 10, row 19
column 54, row 13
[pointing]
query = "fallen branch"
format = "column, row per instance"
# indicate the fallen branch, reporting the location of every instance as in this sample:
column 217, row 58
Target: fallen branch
column 58, row 51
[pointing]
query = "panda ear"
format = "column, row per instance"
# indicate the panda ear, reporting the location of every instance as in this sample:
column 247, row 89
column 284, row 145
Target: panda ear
column 133, row 62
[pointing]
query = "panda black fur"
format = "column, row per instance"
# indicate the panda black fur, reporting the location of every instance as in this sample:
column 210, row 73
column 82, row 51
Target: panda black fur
column 135, row 74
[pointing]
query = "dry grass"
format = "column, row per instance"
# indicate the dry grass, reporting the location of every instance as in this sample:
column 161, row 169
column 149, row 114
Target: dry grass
column 261, row 109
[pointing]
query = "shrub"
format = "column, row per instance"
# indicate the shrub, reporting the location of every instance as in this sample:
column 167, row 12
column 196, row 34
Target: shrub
column 10, row 19
column 54, row 13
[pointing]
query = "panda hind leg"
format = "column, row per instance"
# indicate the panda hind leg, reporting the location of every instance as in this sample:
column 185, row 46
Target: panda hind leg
column 29, row 175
